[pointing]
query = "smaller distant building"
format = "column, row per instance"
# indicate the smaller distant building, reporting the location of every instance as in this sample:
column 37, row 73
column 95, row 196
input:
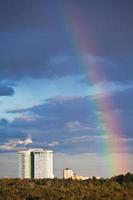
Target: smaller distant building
column 97, row 177
column 68, row 173
column 78, row 177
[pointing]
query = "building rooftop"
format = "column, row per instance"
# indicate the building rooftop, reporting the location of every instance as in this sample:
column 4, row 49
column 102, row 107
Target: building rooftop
column 34, row 150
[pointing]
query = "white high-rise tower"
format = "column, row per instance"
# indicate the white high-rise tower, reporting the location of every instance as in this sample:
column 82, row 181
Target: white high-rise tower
column 43, row 164
column 24, row 164
column 36, row 163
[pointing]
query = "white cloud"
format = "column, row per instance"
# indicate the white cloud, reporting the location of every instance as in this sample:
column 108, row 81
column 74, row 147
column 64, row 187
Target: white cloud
column 99, row 138
column 122, row 139
column 92, row 59
column 105, row 88
column 58, row 59
column 28, row 116
column 85, row 138
column 16, row 144
column 54, row 143
column 74, row 125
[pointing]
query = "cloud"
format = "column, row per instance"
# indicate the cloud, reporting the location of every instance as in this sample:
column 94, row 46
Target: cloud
column 6, row 90
column 28, row 47
column 54, row 143
column 38, row 66
column 116, row 96
column 60, row 113
column 3, row 122
column 15, row 144
column 108, row 88
column 34, row 63
column 100, row 138
column 93, row 144
column 74, row 123
column 90, row 138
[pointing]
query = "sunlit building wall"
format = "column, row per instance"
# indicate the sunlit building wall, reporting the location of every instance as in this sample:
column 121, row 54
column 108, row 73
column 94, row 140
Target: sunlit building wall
column 43, row 164
column 67, row 173
column 36, row 163
column 24, row 164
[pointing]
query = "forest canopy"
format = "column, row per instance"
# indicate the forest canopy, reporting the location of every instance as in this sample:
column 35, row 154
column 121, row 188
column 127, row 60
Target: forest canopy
column 116, row 188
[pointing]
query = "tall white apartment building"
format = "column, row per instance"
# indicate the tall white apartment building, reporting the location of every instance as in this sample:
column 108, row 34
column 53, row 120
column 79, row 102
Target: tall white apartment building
column 43, row 164
column 36, row 163
column 25, row 164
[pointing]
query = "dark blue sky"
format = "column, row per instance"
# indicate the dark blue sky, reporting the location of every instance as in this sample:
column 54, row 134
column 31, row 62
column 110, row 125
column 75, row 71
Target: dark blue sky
column 51, row 88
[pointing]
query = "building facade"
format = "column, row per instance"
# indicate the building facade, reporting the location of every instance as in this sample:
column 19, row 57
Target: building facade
column 36, row 163
column 24, row 164
column 43, row 164
column 67, row 173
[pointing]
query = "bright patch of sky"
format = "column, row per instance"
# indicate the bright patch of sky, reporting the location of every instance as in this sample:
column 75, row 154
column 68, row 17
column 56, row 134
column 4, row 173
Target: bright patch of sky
column 30, row 92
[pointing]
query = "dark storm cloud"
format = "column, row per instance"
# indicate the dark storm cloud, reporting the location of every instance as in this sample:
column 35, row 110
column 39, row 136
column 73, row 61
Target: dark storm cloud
column 3, row 122
column 63, row 109
column 68, row 124
column 24, row 14
column 57, row 119
column 123, row 100
column 34, row 35
column 37, row 41
column 11, row 133
column 6, row 90
column 118, row 100
column 76, row 115
column 59, row 106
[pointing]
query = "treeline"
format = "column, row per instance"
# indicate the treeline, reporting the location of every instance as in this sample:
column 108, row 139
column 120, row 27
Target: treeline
column 116, row 188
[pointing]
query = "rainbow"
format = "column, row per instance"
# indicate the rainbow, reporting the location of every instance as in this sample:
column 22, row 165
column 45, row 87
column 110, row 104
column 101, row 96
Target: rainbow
column 83, row 43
